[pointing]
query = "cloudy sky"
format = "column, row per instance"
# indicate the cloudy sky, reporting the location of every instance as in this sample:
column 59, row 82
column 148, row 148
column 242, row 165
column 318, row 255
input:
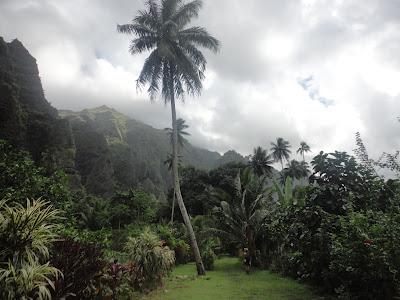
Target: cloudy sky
column 313, row 70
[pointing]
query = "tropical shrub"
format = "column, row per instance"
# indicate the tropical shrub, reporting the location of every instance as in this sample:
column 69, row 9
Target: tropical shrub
column 20, row 179
column 81, row 265
column 175, row 238
column 133, row 206
column 365, row 257
column 26, row 233
column 240, row 215
column 150, row 260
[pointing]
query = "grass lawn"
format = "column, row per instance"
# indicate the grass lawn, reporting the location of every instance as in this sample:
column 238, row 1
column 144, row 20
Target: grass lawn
column 229, row 281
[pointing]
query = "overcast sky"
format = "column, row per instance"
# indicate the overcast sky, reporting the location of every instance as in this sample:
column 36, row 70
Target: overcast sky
column 313, row 70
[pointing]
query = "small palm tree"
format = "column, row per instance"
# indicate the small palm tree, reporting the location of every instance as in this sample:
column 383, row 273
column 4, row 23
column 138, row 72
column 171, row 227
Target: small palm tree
column 241, row 214
column 280, row 150
column 261, row 162
column 175, row 67
column 304, row 148
column 180, row 127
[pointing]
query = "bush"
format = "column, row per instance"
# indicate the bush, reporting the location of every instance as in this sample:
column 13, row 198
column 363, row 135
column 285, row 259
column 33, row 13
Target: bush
column 208, row 257
column 355, row 256
column 25, row 235
column 150, row 260
column 176, row 240
column 81, row 265
column 21, row 179
column 365, row 260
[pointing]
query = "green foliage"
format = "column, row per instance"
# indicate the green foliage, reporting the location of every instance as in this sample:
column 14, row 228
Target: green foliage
column 366, row 254
column 241, row 215
column 20, row 179
column 343, row 184
column 175, row 237
column 296, row 169
column 281, row 150
column 261, row 162
column 133, row 206
column 92, row 212
column 195, row 188
column 150, row 260
column 26, row 233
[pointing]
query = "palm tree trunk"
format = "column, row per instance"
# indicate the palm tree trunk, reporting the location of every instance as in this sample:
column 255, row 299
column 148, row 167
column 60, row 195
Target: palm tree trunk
column 181, row 204
column 173, row 208
column 282, row 164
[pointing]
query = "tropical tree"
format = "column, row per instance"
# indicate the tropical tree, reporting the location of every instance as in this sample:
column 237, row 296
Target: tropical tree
column 296, row 169
column 280, row 150
column 174, row 67
column 241, row 215
column 261, row 162
column 304, row 148
column 180, row 127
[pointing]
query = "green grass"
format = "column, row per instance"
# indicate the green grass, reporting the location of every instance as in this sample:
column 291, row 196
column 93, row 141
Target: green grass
column 229, row 281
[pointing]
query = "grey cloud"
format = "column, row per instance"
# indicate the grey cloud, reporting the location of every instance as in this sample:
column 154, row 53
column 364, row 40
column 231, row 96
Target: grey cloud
column 319, row 37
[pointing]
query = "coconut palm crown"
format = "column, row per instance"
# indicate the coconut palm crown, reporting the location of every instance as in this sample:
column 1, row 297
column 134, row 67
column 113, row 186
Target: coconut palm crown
column 280, row 150
column 304, row 148
column 261, row 162
column 180, row 126
column 175, row 65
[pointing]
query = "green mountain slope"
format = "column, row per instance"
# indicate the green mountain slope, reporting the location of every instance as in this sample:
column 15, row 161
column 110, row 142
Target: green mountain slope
column 124, row 152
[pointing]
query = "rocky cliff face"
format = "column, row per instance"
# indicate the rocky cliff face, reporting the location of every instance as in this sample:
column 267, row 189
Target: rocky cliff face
column 26, row 118
column 99, row 148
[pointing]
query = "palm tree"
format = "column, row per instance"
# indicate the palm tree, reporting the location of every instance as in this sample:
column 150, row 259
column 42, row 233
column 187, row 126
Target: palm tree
column 241, row 214
column 261, row 162
column 304, row 148
column 174, row 67
column 296, row 169
column 280, row 150
column 180, row 126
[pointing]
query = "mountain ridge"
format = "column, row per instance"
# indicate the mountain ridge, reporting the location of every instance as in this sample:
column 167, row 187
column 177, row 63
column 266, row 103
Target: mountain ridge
column 100, row 149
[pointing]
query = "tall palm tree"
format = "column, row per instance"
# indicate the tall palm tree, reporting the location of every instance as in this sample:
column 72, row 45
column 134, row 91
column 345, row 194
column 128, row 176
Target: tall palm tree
column 280, row 150
column 180, row 126
column 261, row 162
column 304, row 148
column 174, row 67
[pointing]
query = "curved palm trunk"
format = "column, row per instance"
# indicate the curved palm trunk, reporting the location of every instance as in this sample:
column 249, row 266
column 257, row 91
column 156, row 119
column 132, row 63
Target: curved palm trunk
column 173, row 207
column 181, row 204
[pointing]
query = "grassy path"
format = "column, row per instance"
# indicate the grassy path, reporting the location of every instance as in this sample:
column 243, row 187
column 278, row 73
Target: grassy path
column 229, row 281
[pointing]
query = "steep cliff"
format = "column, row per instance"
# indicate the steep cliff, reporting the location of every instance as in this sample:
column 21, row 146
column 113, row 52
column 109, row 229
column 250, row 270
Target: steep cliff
column 27, row 120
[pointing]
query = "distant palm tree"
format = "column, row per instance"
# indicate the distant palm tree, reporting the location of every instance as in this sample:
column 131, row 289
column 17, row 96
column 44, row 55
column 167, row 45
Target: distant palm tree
column 180, row 127
column 261, row 162
column 304, row 148
column 296, row 170
column 174, row 67
column 280, row 150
